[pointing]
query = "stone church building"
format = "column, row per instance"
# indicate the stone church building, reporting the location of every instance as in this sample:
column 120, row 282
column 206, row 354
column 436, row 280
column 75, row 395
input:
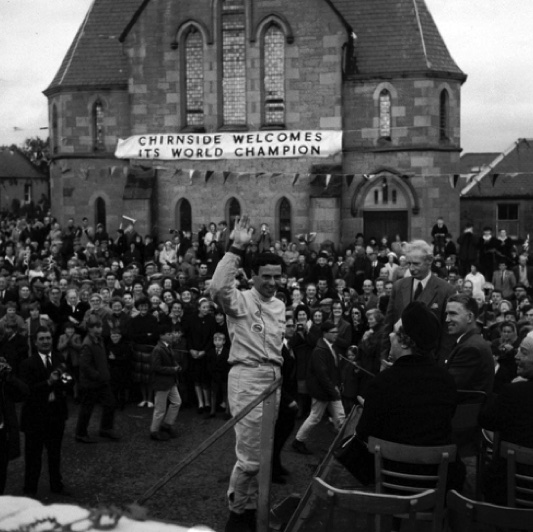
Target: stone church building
column 376, row 70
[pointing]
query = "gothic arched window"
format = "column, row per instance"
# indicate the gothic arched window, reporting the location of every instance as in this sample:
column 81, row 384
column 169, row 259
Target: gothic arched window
column 194, row 78
column 98, row 125
column 233, row 62
column 274, row 76
column 385, row 114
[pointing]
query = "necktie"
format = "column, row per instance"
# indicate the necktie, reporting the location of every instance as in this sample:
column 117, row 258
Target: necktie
column 49, row 363
column 418, row 291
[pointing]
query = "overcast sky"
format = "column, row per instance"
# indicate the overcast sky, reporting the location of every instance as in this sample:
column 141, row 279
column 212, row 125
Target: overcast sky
column 491, row 41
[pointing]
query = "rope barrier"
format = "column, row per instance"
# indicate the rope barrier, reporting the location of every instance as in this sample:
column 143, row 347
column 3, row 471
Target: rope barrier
column 208, row 442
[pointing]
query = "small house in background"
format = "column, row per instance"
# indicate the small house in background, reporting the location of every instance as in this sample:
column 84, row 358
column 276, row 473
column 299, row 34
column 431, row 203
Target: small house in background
column 499, row 190
column 24, row 189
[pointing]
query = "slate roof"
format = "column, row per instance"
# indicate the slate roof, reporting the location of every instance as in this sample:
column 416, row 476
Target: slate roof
column 397, row 36
column 95, row 57
column 511, row 177
column 15, row 165
column 474, row 162
column 393, row 37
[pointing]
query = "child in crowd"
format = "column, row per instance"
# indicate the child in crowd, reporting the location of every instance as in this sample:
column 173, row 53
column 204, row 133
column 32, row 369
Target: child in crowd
column 218, row 369
column 119, row 359
column 69, row 346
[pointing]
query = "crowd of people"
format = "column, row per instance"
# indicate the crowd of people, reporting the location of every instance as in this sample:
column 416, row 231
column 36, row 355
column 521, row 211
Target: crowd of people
column 135, row 320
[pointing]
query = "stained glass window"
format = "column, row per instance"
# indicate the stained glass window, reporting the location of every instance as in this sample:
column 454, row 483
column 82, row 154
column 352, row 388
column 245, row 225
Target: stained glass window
column 194, row 78
column 385, row 114
column 443, row 115
column 55, row 130
column 233, row 62
column 98, row 126
column 274, row 70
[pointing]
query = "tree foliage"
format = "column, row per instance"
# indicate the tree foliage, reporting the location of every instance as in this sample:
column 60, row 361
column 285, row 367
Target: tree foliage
column 36, row 150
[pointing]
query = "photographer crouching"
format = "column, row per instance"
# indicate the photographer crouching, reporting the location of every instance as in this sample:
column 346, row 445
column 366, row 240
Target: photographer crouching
column 44, row 413
column 12, row 390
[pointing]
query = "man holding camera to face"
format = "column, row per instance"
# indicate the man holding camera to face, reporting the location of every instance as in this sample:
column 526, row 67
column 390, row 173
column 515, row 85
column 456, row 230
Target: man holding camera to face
column 43, row 414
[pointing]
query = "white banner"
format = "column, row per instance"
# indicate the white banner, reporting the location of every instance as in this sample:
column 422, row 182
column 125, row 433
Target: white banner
column 256, row 145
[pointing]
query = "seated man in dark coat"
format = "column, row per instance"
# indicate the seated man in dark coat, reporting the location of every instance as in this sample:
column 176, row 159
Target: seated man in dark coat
column 413, row 401
column 510, row 413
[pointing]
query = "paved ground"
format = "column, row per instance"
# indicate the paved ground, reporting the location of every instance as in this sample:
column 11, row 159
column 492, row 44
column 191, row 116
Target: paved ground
column 120, row 472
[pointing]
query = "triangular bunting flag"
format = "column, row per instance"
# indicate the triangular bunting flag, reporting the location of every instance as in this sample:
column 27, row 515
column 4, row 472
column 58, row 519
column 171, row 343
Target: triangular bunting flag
column 295, row 179
column 176, row 172
column 191, row 174
column 328, row 180
column 453, row 180
column 225, row 175
column 494, row 178
column 349, row 180
column 208, row 175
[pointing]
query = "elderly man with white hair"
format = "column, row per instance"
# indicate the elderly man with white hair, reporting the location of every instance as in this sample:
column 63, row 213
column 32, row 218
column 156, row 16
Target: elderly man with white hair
column 421, row 285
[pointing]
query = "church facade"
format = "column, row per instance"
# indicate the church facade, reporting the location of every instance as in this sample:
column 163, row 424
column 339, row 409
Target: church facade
column 377, row 71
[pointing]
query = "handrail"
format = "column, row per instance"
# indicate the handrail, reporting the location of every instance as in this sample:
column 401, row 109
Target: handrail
column 208, row 442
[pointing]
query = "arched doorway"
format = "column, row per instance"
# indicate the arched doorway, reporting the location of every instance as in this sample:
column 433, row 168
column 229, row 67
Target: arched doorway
column 100, row 212
column 385, row 209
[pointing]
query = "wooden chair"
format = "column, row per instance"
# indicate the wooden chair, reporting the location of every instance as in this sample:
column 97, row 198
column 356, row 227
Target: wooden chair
column 501, row 518
column 467, row 433
column 519, row 474
column 390, row 480
column 382, row 507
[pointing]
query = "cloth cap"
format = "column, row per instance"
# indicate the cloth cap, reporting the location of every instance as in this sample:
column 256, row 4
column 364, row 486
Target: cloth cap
column 421, row 325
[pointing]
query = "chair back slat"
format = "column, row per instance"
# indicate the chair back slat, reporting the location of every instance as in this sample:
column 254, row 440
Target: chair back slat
column 495, row 517
column 383, row 507
column 519, row 474
column 412, row 457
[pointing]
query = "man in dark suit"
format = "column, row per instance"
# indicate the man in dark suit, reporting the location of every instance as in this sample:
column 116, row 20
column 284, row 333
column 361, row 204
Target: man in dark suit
column 503, row 279
column 43, row 414
column 323, row 382
column 12, row 390
column 421, row 286
column 375, row 266
column 511, row 411
column 524, row 273
column 470, row 362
